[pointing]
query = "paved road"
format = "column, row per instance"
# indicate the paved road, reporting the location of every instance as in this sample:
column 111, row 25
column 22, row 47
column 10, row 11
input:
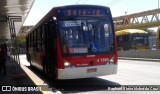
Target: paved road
column 136, row 73
column 129, row 73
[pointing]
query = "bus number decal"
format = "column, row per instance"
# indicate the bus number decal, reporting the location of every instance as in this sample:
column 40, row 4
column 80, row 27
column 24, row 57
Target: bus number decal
column 102, row 59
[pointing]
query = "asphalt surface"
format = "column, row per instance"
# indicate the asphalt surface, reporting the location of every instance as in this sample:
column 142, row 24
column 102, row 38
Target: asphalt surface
column 130, row 73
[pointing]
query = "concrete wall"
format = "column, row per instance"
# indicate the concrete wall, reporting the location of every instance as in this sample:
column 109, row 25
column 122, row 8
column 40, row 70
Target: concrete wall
column 154, row 54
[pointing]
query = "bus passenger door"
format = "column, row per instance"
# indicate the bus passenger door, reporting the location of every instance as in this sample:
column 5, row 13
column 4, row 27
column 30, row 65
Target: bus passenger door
column 50, row 48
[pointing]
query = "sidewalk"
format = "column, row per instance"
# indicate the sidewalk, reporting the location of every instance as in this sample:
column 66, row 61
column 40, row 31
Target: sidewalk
column 139, row 59
column 14, row 80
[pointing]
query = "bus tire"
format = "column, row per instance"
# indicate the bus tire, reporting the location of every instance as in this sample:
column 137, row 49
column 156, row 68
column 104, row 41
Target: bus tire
column 30, row 61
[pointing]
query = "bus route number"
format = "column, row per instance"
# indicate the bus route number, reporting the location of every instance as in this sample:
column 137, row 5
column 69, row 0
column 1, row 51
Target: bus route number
column 102, row 59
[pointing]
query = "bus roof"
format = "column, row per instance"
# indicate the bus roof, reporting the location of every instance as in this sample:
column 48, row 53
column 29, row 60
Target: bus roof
column 130, row 31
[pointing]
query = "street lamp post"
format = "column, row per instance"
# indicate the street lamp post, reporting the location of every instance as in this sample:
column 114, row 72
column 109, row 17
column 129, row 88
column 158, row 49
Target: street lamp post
column 158, row 8
column 158, row 4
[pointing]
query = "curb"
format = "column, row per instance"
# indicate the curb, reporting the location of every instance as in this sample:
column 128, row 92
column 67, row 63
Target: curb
column 139, row 59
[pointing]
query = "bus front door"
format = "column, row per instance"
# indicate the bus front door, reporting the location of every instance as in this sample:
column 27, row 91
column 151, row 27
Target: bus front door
column 50, row 48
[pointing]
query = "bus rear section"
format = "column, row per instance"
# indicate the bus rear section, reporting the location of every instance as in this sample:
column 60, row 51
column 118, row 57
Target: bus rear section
column 88, row 46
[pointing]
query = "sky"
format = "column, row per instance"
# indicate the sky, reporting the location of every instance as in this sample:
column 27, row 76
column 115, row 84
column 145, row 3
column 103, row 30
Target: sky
column 118, row 7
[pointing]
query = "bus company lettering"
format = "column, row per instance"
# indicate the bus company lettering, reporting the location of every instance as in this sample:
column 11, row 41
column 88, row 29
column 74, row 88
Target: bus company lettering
column 32, row 88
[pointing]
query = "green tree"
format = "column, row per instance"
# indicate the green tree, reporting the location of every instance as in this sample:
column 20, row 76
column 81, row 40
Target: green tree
column 21, row 39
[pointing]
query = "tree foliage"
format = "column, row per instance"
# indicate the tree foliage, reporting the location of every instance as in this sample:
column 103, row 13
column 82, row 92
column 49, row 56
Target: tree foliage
column 21, row 39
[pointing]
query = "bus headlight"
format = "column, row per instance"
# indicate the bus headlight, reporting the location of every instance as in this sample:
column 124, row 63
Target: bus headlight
column 67, row 64
column 111, row 61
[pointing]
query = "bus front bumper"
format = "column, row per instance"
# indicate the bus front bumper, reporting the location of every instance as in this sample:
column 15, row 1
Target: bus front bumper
column 86, row 72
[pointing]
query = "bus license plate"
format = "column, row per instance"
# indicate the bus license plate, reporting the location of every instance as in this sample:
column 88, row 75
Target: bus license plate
column 91, row 70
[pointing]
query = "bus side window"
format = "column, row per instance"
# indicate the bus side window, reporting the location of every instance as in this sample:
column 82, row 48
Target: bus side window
column 39, row 41
column 34, row 40
column 43, row 38
column 31, row 40
column 125, row 38
column 120, row 38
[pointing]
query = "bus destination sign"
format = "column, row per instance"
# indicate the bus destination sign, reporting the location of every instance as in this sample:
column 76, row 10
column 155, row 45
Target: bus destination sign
column 84, row 12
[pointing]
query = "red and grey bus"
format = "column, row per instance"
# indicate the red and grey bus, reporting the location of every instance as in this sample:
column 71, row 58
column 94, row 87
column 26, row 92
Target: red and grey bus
column 74, row 41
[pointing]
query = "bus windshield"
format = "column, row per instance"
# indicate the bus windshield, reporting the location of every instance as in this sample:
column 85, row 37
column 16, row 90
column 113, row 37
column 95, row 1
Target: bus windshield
column 86, row 36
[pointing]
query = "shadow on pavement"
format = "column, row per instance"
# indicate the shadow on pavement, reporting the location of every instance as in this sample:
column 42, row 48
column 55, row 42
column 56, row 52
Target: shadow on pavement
column 16, row 78
column 75, row 85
